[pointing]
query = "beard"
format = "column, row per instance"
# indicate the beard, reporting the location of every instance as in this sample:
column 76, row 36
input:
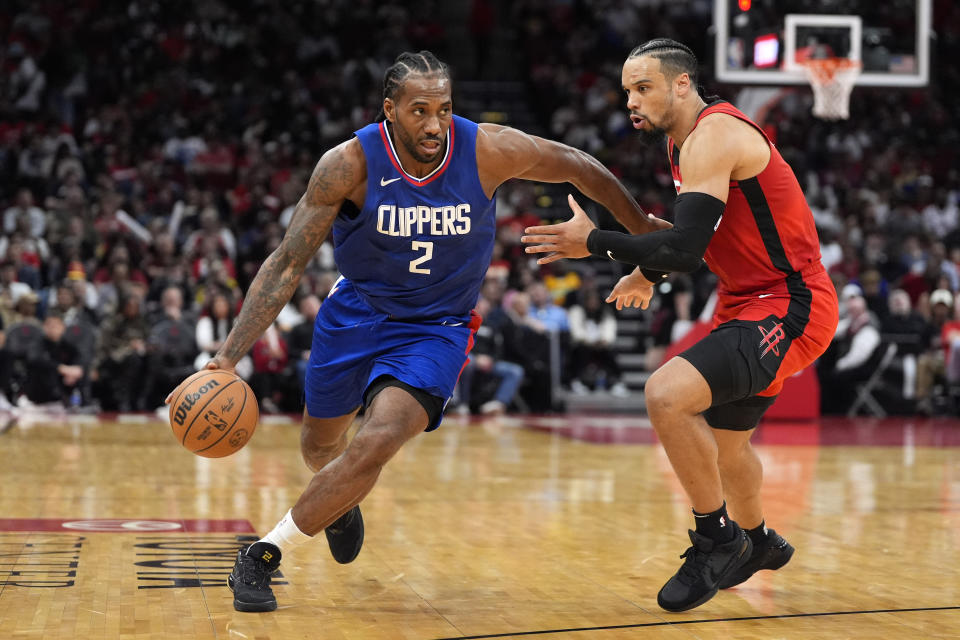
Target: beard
column 656, row 136
column 411, row 146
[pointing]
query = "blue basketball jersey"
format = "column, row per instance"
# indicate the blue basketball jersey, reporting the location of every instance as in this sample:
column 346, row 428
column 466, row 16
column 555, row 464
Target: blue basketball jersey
column 420, row 247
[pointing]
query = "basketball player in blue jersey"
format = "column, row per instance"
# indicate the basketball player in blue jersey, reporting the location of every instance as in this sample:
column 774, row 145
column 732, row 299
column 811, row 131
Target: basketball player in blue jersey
column 411, row 203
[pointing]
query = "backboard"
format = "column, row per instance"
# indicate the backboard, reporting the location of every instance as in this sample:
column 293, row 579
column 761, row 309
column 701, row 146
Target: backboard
column 763, row 41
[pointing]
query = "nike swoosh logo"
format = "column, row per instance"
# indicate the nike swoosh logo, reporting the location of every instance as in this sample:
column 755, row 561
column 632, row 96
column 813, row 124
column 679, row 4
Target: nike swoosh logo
column 610, row 254
column 384, row 182
column 764, row 295
column 452, row 324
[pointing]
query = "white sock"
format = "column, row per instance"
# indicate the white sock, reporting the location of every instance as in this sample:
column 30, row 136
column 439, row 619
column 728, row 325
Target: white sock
column 286, row 535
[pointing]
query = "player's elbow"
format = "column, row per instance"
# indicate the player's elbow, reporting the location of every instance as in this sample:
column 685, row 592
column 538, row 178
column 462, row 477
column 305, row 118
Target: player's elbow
column 683, row 252
column 688, row 262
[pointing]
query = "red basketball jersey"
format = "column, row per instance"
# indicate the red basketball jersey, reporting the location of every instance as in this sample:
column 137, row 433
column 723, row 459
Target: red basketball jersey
column 767, row 231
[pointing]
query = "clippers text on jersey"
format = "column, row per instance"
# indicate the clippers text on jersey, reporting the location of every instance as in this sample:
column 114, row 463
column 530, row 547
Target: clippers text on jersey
column 450, row 220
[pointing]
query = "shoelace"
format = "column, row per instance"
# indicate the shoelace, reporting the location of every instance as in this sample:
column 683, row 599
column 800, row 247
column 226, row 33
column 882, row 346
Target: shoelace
column 692, row 569
column 253, row 572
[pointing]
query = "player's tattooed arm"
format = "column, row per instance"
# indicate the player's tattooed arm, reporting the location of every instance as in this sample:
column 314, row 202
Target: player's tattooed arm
column 505, row 153
column 339, row 174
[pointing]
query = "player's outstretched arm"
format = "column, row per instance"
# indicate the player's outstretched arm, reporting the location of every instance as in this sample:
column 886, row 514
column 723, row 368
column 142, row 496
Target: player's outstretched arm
column 338, row 174
column 697, row 212
column 504, row 153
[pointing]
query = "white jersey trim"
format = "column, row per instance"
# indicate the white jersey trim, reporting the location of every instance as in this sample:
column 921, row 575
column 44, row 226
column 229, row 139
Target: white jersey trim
column 393, row 151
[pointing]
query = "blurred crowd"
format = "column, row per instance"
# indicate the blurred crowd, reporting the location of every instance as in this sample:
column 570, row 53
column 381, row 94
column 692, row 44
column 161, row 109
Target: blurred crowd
column 151, row 155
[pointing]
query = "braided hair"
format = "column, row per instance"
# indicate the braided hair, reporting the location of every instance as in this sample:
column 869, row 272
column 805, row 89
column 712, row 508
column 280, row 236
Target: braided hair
column 406, row 63
column 675, row 58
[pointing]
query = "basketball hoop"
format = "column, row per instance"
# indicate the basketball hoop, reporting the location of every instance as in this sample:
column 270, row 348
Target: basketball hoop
column 832, row 80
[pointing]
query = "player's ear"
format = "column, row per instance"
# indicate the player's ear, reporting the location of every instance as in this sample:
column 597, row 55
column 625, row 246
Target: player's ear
column 388, row 109
column 682, row 83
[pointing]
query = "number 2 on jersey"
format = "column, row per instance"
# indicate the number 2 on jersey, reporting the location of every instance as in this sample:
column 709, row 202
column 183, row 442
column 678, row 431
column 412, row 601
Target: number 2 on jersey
column 416, row 262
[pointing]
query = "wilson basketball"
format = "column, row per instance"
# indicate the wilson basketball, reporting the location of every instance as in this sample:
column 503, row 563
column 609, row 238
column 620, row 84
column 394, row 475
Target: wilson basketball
column 213, row 413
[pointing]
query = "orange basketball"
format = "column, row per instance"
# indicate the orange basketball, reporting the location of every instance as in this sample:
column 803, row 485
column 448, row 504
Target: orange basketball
column 213, row 413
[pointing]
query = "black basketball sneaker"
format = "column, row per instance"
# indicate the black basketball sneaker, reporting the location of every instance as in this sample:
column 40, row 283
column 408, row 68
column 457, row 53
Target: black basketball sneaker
column 772, row 553
column 345, row 536
column 250, row 578
column 707, row 564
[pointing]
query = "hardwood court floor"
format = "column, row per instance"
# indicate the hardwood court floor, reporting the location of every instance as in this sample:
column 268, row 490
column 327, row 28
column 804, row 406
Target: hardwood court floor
column 481, row 529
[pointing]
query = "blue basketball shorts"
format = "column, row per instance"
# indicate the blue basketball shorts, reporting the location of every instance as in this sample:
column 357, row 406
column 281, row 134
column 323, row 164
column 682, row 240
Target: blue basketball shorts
column 353, row 345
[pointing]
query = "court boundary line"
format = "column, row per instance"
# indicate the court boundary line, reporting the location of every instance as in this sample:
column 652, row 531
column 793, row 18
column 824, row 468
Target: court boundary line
column 665, row 623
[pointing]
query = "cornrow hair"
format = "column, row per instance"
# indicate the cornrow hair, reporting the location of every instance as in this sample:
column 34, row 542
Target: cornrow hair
column 406, row 63
column 675, row 57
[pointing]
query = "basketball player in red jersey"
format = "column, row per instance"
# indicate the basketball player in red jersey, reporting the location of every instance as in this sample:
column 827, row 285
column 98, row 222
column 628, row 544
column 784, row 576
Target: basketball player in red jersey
column 741, row 209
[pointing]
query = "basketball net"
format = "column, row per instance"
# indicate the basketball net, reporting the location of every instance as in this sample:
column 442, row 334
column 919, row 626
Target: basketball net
column 832, row 80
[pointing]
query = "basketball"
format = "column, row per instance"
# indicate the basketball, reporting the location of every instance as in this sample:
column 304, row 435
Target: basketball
column 213, row 413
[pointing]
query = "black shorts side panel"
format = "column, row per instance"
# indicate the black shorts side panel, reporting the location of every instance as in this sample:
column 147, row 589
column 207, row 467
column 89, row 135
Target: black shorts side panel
column 432, row 404
column 740, row 415
column 739, row 359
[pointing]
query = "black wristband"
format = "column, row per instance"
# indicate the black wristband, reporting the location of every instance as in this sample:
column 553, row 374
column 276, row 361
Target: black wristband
column 592, row 241
column 654, row 276
column 593, row 246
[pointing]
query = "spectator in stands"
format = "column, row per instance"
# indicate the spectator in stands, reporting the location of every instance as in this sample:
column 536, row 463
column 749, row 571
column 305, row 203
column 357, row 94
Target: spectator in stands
column 164, row 266
column 84, row 298
column 593, row 330
column 54, row 365
column 487, row 363
column 908, row 330
column 211, row 236
column 950, row 338
column 171, row 348
column 533, row 343
column 212, row 329
column 300, row 339
column 109, row 291
column 121, row 355
column 931, row 365
column 542, row 307
column 34, row 219
column 671, row 320
column 27, row 255
column 218, row 280
column 851, row 358
column 10, row 290
column 874, row 289
column 271, row 378
column 25, row 309
column 940, row 266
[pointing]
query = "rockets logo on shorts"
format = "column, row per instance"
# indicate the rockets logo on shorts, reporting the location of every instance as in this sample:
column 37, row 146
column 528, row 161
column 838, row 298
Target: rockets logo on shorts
column 771, row 339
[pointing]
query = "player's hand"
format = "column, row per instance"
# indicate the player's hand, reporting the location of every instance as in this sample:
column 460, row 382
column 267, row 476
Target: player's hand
column 217, row 363
column 633, row 290
column 565, row 240
column 214, row 363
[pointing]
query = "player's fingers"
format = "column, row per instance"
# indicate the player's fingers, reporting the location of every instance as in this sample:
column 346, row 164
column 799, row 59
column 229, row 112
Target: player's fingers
column 541, row 248
column 212, row 364
column 553, row 257
column 538, row 239
column 535, row 230
column 574, row 206
column 644, row 303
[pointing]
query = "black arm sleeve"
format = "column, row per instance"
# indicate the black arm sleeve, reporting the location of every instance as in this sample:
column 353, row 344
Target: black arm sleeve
column 680, row 248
